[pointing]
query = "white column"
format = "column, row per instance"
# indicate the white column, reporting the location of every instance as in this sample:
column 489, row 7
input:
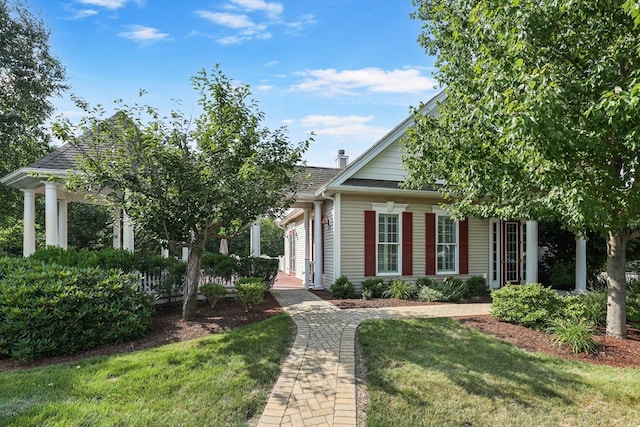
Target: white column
column 307, row 249
column 532, row 252
column 117, row 228
column 255, row 239
column 337, row 243
column 127, row 233
column 185, row 254
column 63, row 235
column 317, row 245
column 581, row 264
column 29, row 220
column 51, row 213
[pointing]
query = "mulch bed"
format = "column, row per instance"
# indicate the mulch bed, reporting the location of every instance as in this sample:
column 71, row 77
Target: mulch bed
column 168, row 327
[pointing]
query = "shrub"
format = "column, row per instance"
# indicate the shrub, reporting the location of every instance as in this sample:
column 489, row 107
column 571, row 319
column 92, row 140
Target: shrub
column 367, row 294
column 342, row 288
column 398, row 288
column 375, row 285
column 562, row 276
column 56, row 310
column 577, row 332
column 213, row 292
column 428, row 294
column 250, row 291
column 633, row 301
column 530, row 305
column 222, row 267
column 264, row 268
column 426, row 282
column 477, row 287
column 591, row 306
column 452, row 289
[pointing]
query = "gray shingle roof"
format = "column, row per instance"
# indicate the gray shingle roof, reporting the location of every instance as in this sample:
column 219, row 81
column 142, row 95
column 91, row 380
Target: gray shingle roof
column 313, row 178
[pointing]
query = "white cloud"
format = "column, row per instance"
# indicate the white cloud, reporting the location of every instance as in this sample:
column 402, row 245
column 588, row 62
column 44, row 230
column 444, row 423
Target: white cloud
column 144, row 35
column 352, row 127
column 109, row 4
column 331, row 81
column 81, row 14
column 273, row 10
column 265, row 88
column 252, row 19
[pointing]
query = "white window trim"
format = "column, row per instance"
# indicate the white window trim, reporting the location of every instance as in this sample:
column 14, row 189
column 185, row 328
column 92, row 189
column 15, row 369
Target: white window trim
column 394, row 209
column 442, row 213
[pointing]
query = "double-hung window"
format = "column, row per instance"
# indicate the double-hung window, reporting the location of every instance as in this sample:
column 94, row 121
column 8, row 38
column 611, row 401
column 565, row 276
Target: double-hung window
column 388, row 237
column 446, row 243
column 388, row 242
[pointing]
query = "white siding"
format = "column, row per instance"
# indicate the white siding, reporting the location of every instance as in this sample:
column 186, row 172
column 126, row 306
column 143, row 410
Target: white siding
column 386, row 165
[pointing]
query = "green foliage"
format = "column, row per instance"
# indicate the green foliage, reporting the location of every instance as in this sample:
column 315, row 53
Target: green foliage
column 367, row 294
column 563, row 276
column 591, row 307
column 250, row 291
column 55, row 310
column 430, row 294
column 31, row 77
column 453, row 289
column 184, row 179
column 577, row 332
column 398, row 288
column 477, row 287
column 426, row 282
column 343, row 288
column 222, row 267
column 374, row 285
column 264, row 268
column 213, row 292
column 633, row 301
column 531, row 305
column 540, row 118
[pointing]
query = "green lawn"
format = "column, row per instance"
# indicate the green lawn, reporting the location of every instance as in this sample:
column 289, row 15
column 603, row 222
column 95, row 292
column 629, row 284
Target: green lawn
column 436, row 372
column 220, row 380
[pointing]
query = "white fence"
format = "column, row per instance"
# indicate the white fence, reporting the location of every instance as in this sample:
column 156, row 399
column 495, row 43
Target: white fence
column 156, row 284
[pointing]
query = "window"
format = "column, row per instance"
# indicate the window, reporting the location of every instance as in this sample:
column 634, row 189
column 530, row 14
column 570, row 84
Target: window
column 447, row 244
column 388, row 243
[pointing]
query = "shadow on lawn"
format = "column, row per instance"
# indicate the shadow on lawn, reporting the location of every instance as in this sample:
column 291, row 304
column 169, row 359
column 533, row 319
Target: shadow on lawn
column 480, row 365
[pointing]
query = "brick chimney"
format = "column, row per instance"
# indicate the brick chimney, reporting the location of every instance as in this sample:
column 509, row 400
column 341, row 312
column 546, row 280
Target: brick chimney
column 341, row 160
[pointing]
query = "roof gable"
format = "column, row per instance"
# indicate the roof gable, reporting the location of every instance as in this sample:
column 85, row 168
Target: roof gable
column 385, row 155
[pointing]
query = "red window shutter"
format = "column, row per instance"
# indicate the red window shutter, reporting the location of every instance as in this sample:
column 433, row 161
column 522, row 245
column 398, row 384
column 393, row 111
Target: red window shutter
column 369, row 243
column 407, row 243
column 463, row 255
column 430, row 242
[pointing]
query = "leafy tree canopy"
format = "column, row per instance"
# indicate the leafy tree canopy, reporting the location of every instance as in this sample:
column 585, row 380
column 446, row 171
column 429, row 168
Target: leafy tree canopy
column 188, row 180
column 29, row 76
column 540, row 120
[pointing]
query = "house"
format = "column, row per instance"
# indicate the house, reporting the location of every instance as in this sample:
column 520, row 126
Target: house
column 356, row 220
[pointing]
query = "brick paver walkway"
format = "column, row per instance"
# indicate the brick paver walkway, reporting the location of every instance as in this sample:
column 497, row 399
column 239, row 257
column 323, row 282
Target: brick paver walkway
column 317, row 385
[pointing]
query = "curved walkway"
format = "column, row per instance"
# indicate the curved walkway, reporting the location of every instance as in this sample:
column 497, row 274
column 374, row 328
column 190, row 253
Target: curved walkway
column 317, row 385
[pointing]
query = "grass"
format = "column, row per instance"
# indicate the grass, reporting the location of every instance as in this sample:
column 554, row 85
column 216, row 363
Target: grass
column 436, row 372
column 219, row 380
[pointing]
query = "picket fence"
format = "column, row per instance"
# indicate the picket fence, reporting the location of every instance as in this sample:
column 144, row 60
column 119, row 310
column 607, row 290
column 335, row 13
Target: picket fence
column 153, row 283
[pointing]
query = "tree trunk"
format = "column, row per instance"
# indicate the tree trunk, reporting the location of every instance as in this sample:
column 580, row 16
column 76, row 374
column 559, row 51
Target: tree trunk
column 191, row 281
column 617, row 284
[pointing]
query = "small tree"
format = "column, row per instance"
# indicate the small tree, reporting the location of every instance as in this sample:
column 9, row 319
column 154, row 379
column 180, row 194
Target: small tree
column 188, row 181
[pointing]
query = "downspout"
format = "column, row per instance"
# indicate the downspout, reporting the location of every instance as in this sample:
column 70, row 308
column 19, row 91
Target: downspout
column 336, row 234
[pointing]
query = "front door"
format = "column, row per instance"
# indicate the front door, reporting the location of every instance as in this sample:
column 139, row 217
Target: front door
column 511, row 251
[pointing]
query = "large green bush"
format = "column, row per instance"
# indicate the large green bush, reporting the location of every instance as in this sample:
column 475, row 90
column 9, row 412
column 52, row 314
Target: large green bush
column 55, row 310
column 250, row 291
column 342, row 288
column 531, row 305
column 477, row 287
column 264, row 268
column 591, row 306
column 222, row 267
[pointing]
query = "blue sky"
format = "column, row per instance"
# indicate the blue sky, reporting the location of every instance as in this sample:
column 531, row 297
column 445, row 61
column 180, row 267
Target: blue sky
column 348, row 70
